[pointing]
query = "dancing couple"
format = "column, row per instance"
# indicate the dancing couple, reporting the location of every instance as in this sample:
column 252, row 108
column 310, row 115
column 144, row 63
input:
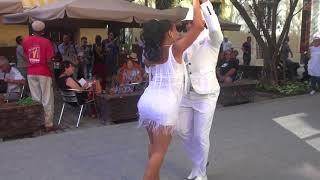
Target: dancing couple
column 183, row 88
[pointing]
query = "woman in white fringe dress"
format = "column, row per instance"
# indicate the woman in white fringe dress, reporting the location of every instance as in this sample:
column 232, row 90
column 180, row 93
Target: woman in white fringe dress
column 159, row 105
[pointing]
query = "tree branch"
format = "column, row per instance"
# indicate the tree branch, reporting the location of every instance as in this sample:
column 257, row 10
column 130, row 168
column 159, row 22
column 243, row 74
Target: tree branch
column 258, row 14
column 274, row 22
column 247, row 19
column 302, row 8
column 286, row 27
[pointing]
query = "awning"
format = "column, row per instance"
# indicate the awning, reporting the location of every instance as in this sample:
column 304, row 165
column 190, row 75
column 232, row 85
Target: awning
column 10, row 6
column 103, row 10
column 229, row 26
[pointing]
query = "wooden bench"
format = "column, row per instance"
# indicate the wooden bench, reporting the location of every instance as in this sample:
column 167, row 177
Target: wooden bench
column 118, row 107
column 251, row 72
column 238, row 92
column 20, row 119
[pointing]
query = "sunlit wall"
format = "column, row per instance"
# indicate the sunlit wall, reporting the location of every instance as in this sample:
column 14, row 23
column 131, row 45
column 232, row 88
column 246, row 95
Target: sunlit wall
column 8, row 33
column 230, row 13
column 315, row 21
column 33, row 3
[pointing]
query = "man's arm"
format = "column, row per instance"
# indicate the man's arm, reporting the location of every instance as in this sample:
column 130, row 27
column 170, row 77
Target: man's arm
column 61, row 49
column 20, row 52
column 212, row 23
column 243, row 48
column 17, row 79
column 290, row 51
column 13, row 81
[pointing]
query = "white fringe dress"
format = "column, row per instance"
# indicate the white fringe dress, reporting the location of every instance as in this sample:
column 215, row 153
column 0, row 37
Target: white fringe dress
column 159, row 104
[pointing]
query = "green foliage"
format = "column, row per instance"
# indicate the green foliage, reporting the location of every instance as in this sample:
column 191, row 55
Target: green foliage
column 25, row 101
column 286, row 89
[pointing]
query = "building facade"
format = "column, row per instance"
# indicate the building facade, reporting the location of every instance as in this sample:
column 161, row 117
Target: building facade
column 228, row 12
column 315, row 17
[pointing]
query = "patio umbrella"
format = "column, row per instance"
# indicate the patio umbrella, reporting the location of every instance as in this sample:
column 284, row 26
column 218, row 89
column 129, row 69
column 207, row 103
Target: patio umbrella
column 10, row 6
column 103, row 10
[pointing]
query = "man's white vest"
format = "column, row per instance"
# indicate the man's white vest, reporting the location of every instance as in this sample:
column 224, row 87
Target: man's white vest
column 202, row 56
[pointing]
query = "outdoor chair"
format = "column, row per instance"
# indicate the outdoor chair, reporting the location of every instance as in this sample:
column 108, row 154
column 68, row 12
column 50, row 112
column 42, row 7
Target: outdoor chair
column 21, row 95
column 239, row 76
column 22, row 91
column 71, row 97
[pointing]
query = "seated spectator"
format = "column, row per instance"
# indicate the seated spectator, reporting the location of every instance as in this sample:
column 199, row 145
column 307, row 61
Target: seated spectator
column 234, row 56
column 131, row 72
column 227, row 72
column 13, row 78
column 66, row 82
column 3, row 85
column 220, row 58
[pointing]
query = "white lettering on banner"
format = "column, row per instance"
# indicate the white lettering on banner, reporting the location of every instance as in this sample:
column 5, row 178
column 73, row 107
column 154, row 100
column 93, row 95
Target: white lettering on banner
column 34, row 55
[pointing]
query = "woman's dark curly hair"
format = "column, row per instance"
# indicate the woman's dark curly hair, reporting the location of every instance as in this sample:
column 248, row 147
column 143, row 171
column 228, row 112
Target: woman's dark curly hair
column 153, row 35
column 64, row 65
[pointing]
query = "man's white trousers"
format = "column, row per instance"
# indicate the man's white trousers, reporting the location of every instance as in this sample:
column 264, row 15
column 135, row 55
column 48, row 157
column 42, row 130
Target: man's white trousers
column 194, row 125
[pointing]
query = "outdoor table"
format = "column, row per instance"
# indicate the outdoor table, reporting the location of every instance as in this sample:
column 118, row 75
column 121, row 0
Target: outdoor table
column 20, row 119
column 119, row 106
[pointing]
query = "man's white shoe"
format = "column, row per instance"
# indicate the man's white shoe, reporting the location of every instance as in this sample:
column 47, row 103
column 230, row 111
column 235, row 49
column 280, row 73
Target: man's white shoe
column 191, row 176
column 201, row 178
column 312, row 92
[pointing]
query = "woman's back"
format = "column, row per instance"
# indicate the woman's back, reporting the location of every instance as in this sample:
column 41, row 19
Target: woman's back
column 159, row 104
column 166, row 75
column 314, row 64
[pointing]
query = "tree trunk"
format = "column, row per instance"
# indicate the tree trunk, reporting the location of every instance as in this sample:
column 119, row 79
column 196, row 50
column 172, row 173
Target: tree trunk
column 270, row 73
column 164, row 4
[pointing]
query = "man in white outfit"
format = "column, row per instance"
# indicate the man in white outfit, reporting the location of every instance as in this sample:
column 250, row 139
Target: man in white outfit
column 198, row 105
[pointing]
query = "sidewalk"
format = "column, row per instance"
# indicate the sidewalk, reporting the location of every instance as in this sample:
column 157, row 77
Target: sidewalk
column 271, row 140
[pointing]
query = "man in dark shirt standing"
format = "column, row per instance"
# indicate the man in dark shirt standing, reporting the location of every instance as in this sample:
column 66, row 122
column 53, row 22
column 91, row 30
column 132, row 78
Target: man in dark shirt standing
column 289, row 66
column 246, row 48
column 112, row 50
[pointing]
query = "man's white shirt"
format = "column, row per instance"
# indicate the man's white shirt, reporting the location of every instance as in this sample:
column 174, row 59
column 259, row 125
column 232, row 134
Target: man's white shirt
column 14, row 74
column 226, row 45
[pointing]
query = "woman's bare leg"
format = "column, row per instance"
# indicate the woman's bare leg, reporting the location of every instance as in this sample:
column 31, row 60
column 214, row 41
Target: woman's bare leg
column 161, row 141
column 150, row 143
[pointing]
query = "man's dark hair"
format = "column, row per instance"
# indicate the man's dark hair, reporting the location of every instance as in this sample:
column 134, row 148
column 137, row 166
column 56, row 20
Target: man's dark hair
column 19, row 40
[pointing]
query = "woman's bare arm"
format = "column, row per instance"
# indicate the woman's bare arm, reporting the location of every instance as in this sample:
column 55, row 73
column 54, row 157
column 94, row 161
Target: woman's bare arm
column 72, row 84
column 182, row 44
